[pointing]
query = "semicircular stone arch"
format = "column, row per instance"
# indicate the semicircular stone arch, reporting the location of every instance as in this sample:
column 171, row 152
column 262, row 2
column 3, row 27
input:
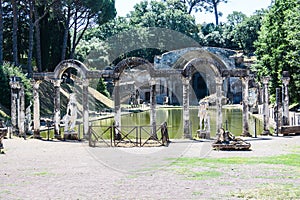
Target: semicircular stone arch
column 132, row 62
column 64, row 65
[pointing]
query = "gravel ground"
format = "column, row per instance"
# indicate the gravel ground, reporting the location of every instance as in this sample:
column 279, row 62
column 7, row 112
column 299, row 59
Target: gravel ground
column 36, row 169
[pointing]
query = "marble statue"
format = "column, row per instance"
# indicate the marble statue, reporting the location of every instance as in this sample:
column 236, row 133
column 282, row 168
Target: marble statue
column 71, row 116
column 204, row 120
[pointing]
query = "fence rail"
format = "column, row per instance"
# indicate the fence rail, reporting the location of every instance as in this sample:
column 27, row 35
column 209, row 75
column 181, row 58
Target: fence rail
column 128, row 136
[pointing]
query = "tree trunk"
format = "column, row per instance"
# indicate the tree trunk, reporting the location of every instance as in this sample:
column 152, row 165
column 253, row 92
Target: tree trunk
column 1, row 34
column 38, row 39
column 215, row 5
column 74, row 36
column 66, row 34
column 30, row 42
column 15, row 32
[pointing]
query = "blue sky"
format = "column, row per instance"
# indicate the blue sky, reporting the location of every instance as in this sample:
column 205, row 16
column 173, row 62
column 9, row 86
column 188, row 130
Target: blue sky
column 245, row 6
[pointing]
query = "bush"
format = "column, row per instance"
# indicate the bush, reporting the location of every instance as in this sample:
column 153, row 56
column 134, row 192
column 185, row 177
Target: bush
column 7, row 71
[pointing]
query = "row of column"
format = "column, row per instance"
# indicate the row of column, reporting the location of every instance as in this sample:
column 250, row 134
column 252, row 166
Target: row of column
column 19, row 102
column 284, row 110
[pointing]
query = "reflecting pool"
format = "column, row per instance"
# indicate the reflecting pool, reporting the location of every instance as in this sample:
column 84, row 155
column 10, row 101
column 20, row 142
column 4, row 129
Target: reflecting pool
column 173, row 117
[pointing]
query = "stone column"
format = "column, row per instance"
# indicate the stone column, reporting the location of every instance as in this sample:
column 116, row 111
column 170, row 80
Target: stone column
column 219, row 84
column 245, row 83
column 265, row 81
column 117, row 104
column 153, row 107
column 21, row 114
column 14, row 97
column 56, row 84
column 36, row 109
column 186, row 107
column 285, row 99
column 85, row 105
column 15, row 86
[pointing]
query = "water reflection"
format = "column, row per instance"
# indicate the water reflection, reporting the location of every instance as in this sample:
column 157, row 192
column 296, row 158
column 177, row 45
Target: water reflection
column 173, row 117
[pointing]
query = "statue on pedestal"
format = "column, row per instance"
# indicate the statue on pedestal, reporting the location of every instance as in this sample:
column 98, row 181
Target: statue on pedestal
column 71, row 116
column 204, row 120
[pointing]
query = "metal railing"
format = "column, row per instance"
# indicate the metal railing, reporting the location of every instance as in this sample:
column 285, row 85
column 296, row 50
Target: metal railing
column 127, row 136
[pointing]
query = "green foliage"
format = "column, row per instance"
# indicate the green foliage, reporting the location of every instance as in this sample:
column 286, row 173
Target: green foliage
column 170, row 14
column 277, row 47
column 7, row 71
column 245, row 31
column 101, row 87
column 135, row 30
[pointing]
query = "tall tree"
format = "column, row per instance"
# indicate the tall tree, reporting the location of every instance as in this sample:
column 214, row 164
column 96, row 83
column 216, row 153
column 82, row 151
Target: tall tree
column 204, row 5
column 1, row 33
column 196, row 5
column 80, row 15
column 278, row 45
column 40, row 11
column 14, row 4
column 213, row 7
column 30, row 37
column 245, row 33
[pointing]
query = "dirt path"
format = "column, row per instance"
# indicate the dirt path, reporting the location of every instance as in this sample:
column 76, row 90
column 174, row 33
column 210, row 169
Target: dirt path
column 34, row 169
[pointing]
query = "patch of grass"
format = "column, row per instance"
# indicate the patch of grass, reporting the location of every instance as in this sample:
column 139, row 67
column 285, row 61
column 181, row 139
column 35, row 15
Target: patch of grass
column 288, row 159
column 205, row 175
column 197, row 193
column 5, row 192
column 225, row 183
column 277, row 177
column 198, row 175
column 41, row 173
column 295, row 149
column 270, row 191
column 133, row 176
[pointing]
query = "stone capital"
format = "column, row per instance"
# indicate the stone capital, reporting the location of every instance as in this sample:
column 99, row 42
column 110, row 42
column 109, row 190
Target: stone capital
column 35, row 84
column 266, row 79
column 185, row 80
column 246, row 78
column 152, row 81
column 285, row 81
column 219, row 80
column 56, row 82
column 85, row 82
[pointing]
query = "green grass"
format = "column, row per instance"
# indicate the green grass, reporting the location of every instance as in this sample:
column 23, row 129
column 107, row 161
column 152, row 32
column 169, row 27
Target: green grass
column 198, row 175
column 197, row 193
column 270, row 191
column 288, row 160
column 41, row 174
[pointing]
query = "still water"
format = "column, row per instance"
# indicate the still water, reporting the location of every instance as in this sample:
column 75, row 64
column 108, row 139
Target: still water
column 173, row 117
